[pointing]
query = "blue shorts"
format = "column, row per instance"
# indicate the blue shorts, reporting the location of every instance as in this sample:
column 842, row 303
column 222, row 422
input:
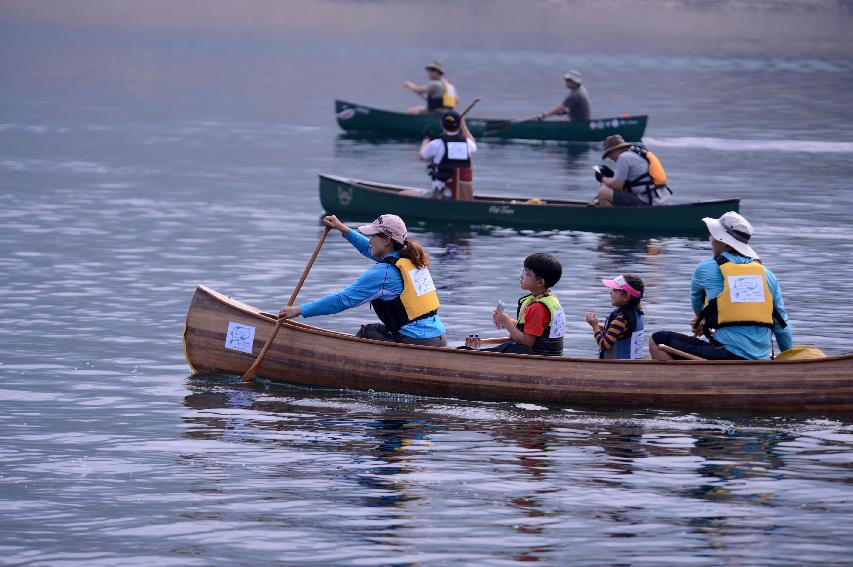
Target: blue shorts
column 694, row 346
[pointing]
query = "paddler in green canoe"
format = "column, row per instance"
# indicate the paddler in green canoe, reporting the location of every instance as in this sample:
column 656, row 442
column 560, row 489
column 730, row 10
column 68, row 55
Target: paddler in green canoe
column 576, row 105
column 440, row 94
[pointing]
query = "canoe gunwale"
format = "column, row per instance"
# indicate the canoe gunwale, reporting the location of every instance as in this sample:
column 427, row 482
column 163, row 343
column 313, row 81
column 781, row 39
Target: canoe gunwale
column 383, row 122
column 499, row 199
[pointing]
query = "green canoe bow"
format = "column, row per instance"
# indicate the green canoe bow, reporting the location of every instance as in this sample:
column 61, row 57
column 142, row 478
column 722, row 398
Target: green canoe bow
column 359, row 118
column 356, row 199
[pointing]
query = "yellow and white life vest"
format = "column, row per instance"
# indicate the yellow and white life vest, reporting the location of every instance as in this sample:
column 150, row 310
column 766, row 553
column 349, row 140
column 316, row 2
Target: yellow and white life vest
column 418, row 300
column 746, row 298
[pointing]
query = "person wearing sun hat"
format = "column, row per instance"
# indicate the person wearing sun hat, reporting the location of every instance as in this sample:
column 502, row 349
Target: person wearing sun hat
column 737, row 301
column 398, row 286
column 638, row 180
column 576, row 104
column 440, row 94
column 621, row 336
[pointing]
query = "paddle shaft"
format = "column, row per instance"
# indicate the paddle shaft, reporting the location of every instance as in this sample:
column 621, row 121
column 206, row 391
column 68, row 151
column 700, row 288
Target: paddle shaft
column 501, row 124
column 676, row 352
column 250, row 373
column 470, row 106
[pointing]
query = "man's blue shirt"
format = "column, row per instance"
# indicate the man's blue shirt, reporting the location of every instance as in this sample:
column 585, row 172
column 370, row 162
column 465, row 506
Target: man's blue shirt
column 382, row 281
column 749, row 341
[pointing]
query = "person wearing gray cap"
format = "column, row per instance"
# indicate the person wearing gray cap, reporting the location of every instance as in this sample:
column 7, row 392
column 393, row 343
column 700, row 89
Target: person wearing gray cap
column 576, row 105
column 440, row 94
column 737, row 301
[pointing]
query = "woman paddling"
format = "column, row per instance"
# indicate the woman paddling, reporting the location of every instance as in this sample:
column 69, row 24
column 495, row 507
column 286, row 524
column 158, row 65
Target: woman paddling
column 399, row 286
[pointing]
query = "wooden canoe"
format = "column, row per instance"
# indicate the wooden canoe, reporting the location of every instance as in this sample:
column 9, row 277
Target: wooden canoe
column 354, row 117
column 356, row 199
column 310, row 356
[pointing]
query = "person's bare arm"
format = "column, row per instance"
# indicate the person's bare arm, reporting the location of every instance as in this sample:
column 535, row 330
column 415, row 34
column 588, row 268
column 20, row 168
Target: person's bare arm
column 420, row 89
column 557, row 110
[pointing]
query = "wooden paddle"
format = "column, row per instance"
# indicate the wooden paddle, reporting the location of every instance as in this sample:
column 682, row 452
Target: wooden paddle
column 250, row 373
column 495, row 125
column 676, row 352
column 470, row 106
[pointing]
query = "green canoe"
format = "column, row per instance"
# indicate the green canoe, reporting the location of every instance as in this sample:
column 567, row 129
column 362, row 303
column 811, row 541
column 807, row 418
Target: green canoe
column 359, row 118
column 355, row 199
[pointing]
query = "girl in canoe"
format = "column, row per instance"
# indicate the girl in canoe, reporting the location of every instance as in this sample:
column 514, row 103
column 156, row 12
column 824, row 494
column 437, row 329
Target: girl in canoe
column 621, row 336
column 399, row 286
column 540, row 323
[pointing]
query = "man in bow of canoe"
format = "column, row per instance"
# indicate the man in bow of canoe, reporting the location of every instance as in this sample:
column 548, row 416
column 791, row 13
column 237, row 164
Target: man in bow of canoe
column 639, row 179
column 399, row 286
column 576, row 105
column 440, row 94
column 734, row 295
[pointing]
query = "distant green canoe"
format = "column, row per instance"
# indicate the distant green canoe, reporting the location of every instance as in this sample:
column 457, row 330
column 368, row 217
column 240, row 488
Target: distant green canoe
column 355, row 199
column 359, row 118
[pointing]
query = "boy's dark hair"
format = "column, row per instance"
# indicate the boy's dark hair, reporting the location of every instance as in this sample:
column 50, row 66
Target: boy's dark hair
column 637, row 283
column 544, row 266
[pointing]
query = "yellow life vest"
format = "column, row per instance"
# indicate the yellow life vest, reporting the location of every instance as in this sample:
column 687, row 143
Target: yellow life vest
column 418, row 300
column 746, row 298
column 450, row 99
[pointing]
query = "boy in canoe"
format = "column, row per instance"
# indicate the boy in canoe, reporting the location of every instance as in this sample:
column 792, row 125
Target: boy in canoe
column 733, row 295
column 621, row 336
column 540, row 323
column 440, row 94
column 398, row 286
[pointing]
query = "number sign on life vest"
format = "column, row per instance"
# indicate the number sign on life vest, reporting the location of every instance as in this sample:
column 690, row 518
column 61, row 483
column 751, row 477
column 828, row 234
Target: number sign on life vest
column 421, row 280
column 558, row 325
column 746, row 289
column 240, row 337
column 638, row 341
column 457, row 150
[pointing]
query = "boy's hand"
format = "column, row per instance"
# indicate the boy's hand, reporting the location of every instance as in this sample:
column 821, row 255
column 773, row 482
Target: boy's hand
column 502, row 320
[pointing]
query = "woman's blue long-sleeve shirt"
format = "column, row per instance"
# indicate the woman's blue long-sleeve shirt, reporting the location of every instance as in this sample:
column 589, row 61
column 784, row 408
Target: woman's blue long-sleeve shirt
column 382, row 281
column 751, row 342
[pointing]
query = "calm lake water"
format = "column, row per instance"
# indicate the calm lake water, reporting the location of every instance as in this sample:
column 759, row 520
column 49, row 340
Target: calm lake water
column 147, row 147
